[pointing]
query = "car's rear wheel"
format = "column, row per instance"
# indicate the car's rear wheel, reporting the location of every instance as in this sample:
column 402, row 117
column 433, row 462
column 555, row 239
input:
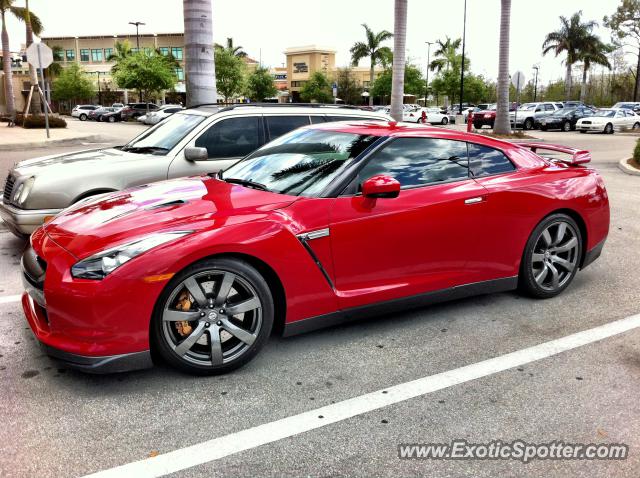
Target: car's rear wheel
column 608, row 129
column 636, row 126
column 445, row 120
column 583, row 131
column 213, row 317
column 566, row 126
column 543, row 128
column 551, row 257
column 112, row 119
column 82, row 117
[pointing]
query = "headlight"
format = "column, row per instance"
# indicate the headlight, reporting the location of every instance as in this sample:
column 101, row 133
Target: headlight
column 22, row 191
column 102, row 264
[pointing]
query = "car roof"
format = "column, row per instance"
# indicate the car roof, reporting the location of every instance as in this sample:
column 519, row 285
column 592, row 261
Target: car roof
column 281, row 108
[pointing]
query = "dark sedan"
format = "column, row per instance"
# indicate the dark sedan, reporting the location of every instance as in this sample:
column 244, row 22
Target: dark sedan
column 565, row 119
column 113, row 116
column 96, row 115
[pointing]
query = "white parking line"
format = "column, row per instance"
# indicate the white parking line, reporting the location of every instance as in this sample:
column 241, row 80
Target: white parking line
column 10, row 298
column 217, row 448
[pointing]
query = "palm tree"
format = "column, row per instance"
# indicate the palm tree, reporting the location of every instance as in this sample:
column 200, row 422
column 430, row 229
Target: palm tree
column 593, row 52
column 200, row 71
column 33, row 25
column 373, row 50
column 569, row 38
column 234, row 50
column 6, row 6
column 446, row 56
column 502, row 124
column 399, row 49
column 121, row 50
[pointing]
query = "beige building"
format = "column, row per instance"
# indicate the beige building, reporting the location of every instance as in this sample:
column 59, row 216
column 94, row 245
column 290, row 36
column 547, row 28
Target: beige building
column 21, row 82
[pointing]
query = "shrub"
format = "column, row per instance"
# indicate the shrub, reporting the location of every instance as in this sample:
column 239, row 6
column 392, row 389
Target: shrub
column 636, row 152
column 37, row 121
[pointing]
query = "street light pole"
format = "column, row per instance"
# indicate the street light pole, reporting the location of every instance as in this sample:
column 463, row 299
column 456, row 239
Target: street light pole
column 99, row 91
column 535, row 83
column 464, row 37
column 137, row 24
column 426, row 90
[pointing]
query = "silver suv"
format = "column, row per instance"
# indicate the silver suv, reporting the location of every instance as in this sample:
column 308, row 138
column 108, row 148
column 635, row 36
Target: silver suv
column 528, row 115
column 199, row 140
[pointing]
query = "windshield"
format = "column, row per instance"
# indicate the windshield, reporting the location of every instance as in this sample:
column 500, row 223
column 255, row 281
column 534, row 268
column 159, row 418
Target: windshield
column 528, row 107
column 301, row 163
column 162, row 138
column 606, row 113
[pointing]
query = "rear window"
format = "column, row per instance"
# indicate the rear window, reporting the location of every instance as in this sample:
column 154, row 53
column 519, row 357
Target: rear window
column 485, row 161
column 279, row 125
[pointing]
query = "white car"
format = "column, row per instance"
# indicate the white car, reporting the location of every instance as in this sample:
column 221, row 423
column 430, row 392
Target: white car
column 608, row 120
column 154, row 117
column 433, row 116
column 82, row 111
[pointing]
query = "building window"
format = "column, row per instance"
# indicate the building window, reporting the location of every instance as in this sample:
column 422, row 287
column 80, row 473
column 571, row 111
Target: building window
column 164, row 50
column 134, row 50
column 180, row 74
column 71, row 55
column 84, row 54
column 96, row 54
column 58, row 55
column 107, row 53
column 177, row 53
column 147, row 50
column 297, row 84
column 365, row 84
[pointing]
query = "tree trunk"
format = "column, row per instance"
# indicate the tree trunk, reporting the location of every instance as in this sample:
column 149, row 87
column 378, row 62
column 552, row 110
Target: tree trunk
column 371, row 78
column 567, row 82
column 583, row 86
column 36, row 107
column 399, row 40
column 6, row 66
column 502, row 124
column 200, row 74
column 636, row 88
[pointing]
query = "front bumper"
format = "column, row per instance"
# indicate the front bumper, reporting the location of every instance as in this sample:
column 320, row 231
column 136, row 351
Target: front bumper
column 24, row 221
column 590, row 127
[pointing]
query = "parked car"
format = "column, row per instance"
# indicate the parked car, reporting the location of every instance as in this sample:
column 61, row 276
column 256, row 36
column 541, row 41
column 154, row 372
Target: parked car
column 113, row 116
column 97, row 114
column 565, row 119
column 118, row 105
column 486, row 117
column 82, row 111
column 572, row 104
column 431, row 115
column 608, row 120
column 194, row 141
column 628, row 105
column 529, row 114
column 160, row 114
column 322, row 225
column 133, row 110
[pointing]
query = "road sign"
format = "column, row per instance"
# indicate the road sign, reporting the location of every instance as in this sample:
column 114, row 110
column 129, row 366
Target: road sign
column 39, row 55
column 518, row 80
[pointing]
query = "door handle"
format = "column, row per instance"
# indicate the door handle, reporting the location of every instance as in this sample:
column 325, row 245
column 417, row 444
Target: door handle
column 474, row 200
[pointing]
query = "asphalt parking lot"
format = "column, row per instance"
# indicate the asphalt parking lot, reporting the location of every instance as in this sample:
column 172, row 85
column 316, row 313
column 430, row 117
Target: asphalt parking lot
column 64, row 423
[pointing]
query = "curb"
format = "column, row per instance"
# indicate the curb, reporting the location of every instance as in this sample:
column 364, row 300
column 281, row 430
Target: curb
column 625, row 168
column 91, row 138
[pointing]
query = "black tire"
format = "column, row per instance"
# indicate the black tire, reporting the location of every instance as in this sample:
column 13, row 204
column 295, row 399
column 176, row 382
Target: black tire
column 82, row 117
column 477, row 125
column 112, row 119
column 531, row 284
column 543, row 128
column 566, row 126
column 636, row 126
column 608, row 129
column 528, row 124
column 248, row 275
column 583, row 131
column 445, row 121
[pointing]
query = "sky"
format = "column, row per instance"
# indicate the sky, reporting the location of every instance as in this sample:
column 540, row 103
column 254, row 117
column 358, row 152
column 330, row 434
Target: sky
column 265, row 28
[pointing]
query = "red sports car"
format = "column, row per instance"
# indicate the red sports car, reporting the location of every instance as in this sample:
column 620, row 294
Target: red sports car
column 327, row 223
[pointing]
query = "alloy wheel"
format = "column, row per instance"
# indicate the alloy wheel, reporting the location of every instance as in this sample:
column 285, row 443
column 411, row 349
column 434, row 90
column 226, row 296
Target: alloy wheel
column 566, row 126
column 212, row 318
column 555, row 256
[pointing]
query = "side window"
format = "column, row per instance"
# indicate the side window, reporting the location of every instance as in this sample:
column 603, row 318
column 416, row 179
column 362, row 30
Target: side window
column 318, row 119
column 231, row 137
column 279, row 125
column 485, row 161
column 549, row 108
column 347, row 118
column 619, row 114
column 419, row 161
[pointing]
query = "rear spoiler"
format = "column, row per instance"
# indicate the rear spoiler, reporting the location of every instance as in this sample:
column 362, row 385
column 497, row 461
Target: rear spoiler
column 578, row 156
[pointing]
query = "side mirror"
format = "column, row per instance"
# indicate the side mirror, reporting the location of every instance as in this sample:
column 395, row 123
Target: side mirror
column 381, row 186
column 196, row 154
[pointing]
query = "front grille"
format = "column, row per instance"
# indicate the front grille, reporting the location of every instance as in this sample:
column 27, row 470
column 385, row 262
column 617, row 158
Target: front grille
column 34, row 268
column 8, row 188
column 586, row 122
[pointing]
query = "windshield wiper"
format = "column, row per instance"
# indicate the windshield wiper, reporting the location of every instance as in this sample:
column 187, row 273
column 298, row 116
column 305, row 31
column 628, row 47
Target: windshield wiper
column 247, row 183
column 145, row 149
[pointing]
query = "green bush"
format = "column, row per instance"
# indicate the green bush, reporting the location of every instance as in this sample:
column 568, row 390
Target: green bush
column 636, row 152
column 37, row 121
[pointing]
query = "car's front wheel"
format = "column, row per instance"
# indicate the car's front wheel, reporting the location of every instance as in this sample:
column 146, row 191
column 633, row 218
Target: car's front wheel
column 82, row 117
column 608, row 129
column 528, row 124
column 213, row 317
column 112, row 119
column 445, row 120
column 551, row 257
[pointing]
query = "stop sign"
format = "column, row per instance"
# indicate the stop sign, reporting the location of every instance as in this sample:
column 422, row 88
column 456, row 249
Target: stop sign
column 39, row 55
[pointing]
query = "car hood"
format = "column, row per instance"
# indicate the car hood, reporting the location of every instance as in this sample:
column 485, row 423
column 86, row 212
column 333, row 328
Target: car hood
column 596, row 119
column 94, row 160
column 195, row 203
